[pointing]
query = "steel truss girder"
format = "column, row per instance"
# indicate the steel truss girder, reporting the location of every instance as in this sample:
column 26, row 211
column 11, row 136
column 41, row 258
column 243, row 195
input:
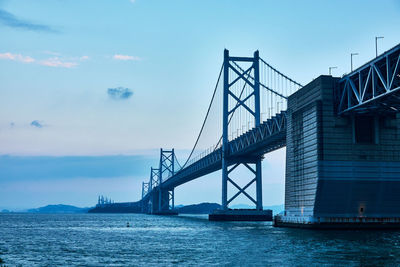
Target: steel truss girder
column 267, row 129
column 376, row 81
column 268, row 136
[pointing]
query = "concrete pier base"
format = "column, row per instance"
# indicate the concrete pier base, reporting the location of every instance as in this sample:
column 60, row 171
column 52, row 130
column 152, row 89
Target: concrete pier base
column 337, row 222
column 241, row 215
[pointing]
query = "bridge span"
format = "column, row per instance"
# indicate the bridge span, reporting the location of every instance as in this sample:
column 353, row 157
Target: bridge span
column 342, row 137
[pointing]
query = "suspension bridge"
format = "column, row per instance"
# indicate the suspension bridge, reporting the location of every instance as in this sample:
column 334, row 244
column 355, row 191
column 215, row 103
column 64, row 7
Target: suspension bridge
column 341, row 137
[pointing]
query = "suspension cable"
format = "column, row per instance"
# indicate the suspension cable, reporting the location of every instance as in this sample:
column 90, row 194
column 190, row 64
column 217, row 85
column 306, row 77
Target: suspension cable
column 280, row 73
column 262, row 85
column 176, row 160
column 205, row 119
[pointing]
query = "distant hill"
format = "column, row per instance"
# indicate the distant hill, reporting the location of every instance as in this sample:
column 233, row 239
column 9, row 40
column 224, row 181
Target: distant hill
column 130, row 207
column 123, row 207
column 58, row 209
column 202, row 208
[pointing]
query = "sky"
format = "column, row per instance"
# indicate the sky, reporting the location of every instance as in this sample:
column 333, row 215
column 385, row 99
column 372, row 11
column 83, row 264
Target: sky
column 90, row 90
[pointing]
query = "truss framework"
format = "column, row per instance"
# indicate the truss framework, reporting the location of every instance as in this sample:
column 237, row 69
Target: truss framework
column 229, row 97
column 167, row 162
column 154, row 178
column 374, row 86
column 145, row 188
column 167, row 166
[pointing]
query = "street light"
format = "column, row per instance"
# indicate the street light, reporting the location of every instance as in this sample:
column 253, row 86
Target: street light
column 330, row 70
column 351, row 58
column 376, row 44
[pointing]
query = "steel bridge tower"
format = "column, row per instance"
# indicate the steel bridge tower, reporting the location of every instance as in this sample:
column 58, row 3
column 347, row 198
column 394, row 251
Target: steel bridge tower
column 153, row 183
column 255, row 112
column 166, row 169
column 232, row 102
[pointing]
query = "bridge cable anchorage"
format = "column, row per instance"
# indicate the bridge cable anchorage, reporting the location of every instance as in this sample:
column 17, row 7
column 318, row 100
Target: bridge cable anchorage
column 205, row 119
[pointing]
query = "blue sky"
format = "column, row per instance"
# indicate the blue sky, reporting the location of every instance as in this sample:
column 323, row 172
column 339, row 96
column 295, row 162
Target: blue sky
column 91, row 80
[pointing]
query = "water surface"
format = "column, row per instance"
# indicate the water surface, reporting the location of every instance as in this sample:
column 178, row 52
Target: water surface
column 104, row 239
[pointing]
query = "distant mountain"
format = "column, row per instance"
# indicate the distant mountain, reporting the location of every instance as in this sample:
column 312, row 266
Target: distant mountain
column 122, row 207
column 58, row 209
column 202, row 208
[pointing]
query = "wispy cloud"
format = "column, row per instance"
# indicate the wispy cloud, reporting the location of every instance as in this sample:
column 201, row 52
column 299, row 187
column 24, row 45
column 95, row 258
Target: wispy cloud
column 119, row 93
column 37, row 124
column 17, row 57
column 10, row 20
column 57, row 62
column 125, row 57
column 49, row 62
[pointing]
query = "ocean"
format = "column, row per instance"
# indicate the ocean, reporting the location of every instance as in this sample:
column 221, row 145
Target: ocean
column 190, row 240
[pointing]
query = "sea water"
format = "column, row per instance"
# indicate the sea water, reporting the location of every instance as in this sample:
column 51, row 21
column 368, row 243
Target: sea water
column 105, row 240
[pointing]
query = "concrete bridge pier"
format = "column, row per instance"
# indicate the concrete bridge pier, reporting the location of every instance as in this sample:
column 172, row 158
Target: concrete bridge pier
column 163, row 202
column 341, row 171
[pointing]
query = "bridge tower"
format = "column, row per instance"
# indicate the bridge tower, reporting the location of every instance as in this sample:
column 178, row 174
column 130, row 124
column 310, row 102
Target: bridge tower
column 153, row 183
column 165, row 197
column 232, row 102
column 145, row 191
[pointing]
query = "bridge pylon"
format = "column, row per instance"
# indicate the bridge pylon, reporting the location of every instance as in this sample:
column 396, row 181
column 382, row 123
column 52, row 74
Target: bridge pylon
column 164, row 198
column 145, row 190
column 251, row 104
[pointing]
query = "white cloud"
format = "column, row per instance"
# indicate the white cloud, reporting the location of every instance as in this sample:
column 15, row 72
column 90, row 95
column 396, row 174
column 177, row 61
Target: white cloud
column 125, row 57
column 50, row 62
column 132, row 1
column 56, row 62
column 17, row 57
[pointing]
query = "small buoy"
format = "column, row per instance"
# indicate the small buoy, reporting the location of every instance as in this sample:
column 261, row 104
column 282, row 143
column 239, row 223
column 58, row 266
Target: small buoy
column 127, row 224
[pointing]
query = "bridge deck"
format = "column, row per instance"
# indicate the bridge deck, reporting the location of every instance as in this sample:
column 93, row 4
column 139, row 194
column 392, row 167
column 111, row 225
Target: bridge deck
column 269, row 136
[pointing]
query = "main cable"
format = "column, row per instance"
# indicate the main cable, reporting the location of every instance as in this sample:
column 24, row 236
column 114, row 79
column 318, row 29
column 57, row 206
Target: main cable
column 280, row 73
column 205, row 119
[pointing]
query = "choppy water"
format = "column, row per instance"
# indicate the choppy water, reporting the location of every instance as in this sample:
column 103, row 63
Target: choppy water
column 104, row 239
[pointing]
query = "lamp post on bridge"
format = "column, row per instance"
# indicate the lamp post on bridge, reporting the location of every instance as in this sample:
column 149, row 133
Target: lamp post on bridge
column 376, row 44
column 330, row 70
column 351, row 59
